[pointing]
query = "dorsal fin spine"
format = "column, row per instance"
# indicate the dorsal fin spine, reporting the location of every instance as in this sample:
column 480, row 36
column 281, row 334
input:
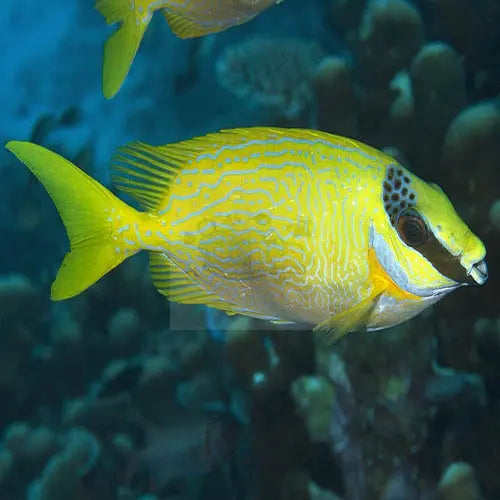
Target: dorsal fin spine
column 145, row 172
column 151, row 176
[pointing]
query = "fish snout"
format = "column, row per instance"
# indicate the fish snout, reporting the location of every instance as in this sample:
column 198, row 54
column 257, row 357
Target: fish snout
column 479, row 272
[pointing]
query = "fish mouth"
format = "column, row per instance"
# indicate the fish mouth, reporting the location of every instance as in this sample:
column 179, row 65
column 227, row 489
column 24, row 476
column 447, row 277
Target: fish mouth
column 479, row 272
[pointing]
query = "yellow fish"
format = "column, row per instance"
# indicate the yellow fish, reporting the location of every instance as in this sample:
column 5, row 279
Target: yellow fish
column 186, row 18
column 287, row 225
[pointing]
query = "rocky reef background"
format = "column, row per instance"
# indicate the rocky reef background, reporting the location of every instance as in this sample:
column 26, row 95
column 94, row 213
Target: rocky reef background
column 118, row 395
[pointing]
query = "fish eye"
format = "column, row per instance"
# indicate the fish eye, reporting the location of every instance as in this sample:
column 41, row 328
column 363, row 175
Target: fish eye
column 412, row 229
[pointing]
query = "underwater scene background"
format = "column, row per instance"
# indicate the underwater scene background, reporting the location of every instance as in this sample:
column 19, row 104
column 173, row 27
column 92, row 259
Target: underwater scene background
column 117, row 394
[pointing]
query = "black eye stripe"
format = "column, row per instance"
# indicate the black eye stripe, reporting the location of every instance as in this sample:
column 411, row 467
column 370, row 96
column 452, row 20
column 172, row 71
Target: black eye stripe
column 432, row 249
column 442, row 260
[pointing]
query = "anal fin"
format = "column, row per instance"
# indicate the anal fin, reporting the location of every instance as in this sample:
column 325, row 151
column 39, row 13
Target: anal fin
column 171, row 281
column 175, row 284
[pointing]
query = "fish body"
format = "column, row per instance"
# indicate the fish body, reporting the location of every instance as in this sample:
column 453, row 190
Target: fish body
column 210, row 16
column 287, row 225
column 186, row 18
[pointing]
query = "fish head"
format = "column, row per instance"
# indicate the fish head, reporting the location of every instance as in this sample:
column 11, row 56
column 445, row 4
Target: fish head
column 421, row 241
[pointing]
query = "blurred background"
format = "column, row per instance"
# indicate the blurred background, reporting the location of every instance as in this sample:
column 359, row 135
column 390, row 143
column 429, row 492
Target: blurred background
column 103, row 397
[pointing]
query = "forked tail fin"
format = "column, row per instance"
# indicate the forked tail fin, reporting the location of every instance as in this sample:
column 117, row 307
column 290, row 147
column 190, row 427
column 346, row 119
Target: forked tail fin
column 121, row 47
column 87, row 209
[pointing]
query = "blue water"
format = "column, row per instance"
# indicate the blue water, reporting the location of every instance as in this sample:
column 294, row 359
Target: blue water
column 117, row 394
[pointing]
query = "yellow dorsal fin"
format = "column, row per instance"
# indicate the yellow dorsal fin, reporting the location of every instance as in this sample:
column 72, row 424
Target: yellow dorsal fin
column 146, row 171
column 184, row 27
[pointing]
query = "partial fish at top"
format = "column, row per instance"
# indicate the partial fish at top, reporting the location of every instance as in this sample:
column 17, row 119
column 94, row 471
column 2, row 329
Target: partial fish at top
column 286, row 225
column 186, row 18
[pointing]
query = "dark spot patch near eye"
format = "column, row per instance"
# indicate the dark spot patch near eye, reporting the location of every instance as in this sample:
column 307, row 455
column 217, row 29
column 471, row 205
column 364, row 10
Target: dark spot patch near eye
column 397, row 193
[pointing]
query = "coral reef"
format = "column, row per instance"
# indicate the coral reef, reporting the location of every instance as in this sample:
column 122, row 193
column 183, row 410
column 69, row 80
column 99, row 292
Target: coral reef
column 390, row 27
column 459, row 483
column 275, row 73
column 314, row 398
column 438, row 86
column 333, row 86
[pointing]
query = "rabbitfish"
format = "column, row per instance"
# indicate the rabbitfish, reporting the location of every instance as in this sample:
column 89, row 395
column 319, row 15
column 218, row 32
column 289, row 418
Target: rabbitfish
column 186, row 18
column 287, row 225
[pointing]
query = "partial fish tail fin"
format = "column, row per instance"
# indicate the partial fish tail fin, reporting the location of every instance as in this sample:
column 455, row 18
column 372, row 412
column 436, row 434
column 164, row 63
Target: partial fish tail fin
column 87, row 209
column 122, row 46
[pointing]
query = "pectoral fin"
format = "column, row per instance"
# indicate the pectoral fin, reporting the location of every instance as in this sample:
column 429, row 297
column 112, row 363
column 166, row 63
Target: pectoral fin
column 353, row 319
